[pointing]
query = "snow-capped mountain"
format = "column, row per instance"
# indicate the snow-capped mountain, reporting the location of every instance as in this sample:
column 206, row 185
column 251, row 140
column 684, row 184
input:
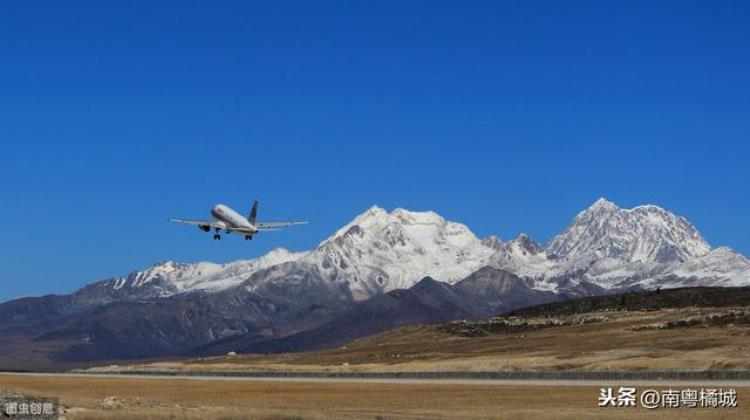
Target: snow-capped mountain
column 642, row 234
column 379, row 251
column 346, row 286
column 172, row 277
column 376, row 252
column 719, row 267
column 525, row 258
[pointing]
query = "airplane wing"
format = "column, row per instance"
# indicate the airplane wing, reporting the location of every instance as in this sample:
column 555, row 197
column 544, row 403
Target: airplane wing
column 244, row 231
column 212, row 223
column 278, row 225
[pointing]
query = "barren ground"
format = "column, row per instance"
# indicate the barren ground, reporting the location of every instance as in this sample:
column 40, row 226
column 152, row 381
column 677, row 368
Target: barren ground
column 712, row 339
column 667, row 339
column 85, row 398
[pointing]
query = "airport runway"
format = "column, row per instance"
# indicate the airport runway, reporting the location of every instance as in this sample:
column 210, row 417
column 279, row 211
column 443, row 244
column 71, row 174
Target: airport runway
column 85, row 395
column 412, row 381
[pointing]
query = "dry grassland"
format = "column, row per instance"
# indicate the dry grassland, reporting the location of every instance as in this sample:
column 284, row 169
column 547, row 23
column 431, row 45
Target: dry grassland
column 84, row 398
column 610, row 345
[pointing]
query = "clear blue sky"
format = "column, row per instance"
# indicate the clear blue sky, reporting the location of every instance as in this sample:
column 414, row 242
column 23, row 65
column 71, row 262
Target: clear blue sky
column 507, row 116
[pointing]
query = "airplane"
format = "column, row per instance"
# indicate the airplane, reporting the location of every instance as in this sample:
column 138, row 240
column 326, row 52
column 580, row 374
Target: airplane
column 232, row 222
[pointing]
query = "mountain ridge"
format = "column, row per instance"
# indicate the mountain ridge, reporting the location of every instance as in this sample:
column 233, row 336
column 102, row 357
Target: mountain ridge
column 379, row 251
column 381, row 270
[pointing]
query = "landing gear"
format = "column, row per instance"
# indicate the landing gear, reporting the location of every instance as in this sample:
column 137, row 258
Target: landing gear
column 248, row 237
column 217, row 237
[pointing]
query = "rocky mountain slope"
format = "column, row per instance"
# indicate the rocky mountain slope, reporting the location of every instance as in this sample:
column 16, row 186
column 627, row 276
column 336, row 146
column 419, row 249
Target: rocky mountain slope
column 380, row 251
column 368, row 276
column 641, row 234
column 484, row 293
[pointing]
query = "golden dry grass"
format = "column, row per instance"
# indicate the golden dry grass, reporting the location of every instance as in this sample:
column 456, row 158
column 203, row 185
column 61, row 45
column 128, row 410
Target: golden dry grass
column 604, row 346
column 610, row 345
column 184, row 398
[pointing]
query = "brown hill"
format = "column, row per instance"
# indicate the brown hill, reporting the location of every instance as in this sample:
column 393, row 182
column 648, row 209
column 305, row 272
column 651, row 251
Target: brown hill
column 685, row 329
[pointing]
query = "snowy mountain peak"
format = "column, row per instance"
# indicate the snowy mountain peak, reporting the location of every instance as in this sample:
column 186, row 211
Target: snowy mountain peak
column 172, row 277
column 641, row 234
column 278, row 255
column 525, row 243
column 602, row 204
column 493, row 242
column 413, row 217
column 165, row 266
column 374, row 211
column 373, row 216
column 376, row 218
column 380, row 251
column 155, row 272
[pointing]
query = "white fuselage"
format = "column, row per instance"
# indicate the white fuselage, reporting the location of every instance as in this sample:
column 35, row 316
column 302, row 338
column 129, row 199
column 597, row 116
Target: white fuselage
column 232, row 219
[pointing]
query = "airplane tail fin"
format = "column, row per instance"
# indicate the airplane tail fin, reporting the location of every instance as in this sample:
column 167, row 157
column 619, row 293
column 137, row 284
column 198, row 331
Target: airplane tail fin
column 253, row 213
